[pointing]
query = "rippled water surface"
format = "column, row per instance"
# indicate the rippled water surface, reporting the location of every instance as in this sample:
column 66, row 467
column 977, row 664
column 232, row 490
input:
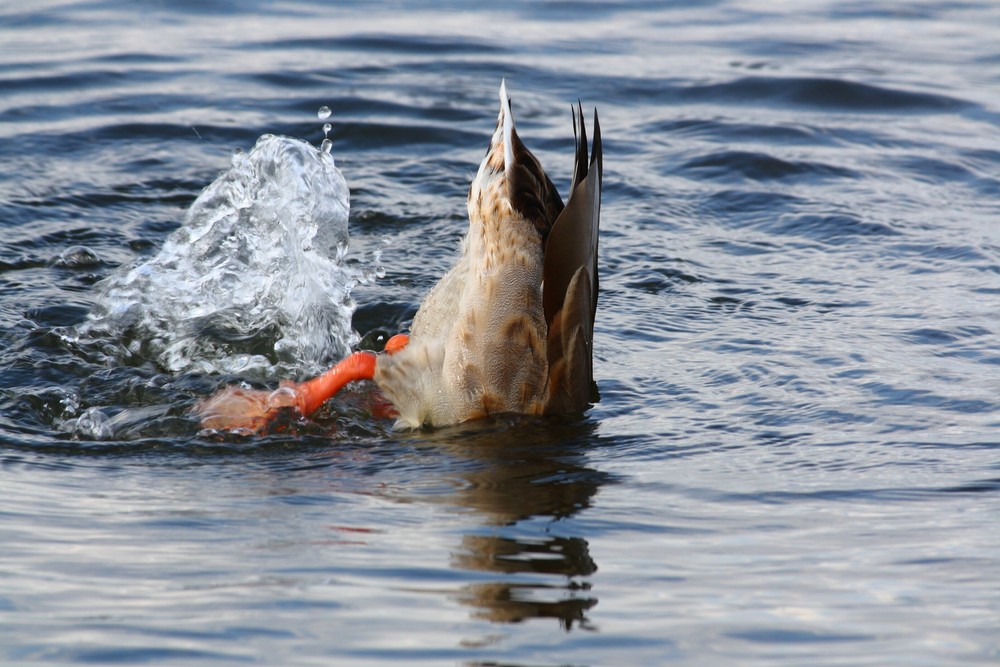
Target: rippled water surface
column 795, row 458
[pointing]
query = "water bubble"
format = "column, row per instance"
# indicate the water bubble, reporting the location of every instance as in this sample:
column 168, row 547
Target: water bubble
column 92, row 424
column 284, row 397
column 376, row 270
column 76, row 257
column 323, row 113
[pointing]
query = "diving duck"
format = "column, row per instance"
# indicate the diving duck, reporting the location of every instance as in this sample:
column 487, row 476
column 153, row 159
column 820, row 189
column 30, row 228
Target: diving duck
column 509, row 329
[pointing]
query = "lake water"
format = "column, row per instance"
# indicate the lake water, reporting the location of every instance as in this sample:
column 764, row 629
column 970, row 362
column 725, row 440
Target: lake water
column 796, row 455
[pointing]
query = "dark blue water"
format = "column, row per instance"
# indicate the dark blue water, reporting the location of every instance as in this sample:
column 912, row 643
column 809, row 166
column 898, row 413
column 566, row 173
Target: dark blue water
column 796, row 456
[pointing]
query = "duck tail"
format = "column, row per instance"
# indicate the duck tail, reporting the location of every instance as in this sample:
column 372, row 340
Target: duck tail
column 511, row 172
column 570, row 284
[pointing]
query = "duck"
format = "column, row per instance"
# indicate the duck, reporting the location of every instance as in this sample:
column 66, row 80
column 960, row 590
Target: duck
column 509, row 329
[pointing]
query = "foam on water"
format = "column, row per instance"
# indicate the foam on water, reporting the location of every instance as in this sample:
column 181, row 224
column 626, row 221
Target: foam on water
column 253, row 280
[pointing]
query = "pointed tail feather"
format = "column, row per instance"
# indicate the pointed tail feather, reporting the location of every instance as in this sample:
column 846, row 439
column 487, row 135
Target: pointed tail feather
column 571, row 279
column 526, row 185
column 508, row 129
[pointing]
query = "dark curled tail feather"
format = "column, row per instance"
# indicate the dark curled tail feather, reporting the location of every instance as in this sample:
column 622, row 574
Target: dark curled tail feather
column 570, row 284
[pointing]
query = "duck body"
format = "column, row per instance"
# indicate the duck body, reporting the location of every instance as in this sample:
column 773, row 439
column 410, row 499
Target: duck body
column 509, row 329
column 477, row 345
column 482, row 341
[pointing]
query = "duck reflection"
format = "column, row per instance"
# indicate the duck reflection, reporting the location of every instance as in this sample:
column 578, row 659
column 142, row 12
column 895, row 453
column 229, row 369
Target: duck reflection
column 525, row 480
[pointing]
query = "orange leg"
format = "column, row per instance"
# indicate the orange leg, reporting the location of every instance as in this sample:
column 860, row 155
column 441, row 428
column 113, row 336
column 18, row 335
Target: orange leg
column 236, row 409
column 314, row 393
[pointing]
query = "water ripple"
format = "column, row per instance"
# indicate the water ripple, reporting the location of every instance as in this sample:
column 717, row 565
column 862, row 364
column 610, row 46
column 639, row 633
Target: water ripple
column 793, row 460
column 825, row 94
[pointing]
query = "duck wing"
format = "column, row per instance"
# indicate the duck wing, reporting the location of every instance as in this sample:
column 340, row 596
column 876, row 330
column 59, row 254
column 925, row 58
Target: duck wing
column 570, row 280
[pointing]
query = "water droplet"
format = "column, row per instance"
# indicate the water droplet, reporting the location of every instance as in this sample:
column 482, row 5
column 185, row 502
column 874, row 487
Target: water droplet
column 323, row 113
column 326, row 128
column 326, row 146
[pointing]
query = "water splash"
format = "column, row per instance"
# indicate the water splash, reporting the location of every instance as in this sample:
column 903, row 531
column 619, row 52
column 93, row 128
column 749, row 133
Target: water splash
column 252, row 282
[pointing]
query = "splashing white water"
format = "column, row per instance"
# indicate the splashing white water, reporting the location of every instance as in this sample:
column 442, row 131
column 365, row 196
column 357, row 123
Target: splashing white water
column 252, row 282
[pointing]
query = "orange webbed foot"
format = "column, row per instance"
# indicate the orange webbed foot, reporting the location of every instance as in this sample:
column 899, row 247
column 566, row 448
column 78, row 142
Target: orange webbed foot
column 244, row 410
column 396, row 343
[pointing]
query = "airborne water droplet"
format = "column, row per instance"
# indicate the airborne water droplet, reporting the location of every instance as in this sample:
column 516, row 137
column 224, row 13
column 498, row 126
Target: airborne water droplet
column 324, row 113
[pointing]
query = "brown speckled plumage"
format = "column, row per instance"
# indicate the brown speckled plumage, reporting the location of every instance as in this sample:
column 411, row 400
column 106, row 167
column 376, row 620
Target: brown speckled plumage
column 486, row 340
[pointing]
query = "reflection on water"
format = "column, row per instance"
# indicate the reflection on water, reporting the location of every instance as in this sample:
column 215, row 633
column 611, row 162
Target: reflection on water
column 512, row 602
column 524, row 473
